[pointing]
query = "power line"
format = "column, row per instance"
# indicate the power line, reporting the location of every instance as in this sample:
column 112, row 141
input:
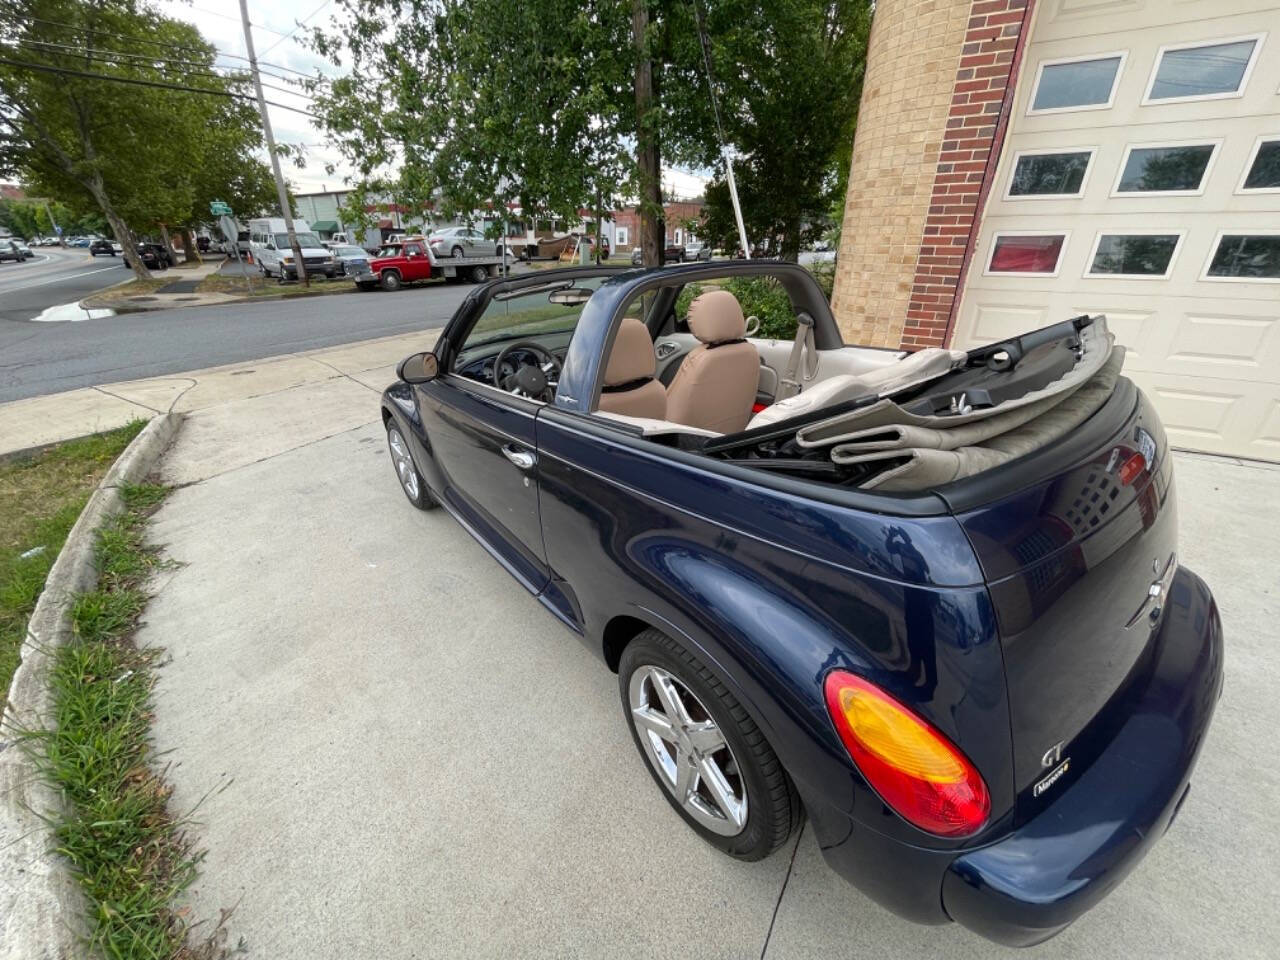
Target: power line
column 227, row 16
column 170, row 46
column 148, row 83
column 113, row 58
column 301, row 23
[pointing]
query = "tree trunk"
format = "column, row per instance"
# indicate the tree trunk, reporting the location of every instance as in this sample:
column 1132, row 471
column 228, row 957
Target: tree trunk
column 599, row 228
column 119, row 228
column 165, row 238
column 190, row 252
column 790, row 243
column 648, row 164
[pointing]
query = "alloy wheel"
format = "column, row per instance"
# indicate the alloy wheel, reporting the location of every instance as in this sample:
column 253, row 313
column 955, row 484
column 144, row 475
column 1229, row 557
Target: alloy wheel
column 405, row 469
column 686, row 747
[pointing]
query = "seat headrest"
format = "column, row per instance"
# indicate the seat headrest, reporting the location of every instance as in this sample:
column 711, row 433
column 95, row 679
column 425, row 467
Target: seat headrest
column 632, row 355
column 715, row 316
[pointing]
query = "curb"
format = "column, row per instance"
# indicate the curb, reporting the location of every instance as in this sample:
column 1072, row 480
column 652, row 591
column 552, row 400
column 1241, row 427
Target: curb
column 41, row 911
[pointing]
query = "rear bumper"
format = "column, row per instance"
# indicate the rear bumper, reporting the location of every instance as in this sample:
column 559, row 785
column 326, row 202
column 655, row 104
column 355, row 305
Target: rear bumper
column 1034, row 881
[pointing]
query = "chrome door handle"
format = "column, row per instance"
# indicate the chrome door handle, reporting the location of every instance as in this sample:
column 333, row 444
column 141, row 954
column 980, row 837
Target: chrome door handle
column 521, row 458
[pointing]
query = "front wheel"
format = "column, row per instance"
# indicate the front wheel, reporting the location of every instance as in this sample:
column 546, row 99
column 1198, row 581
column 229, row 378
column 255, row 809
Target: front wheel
column 703, row 750
column 411, row 482
column 390, row 280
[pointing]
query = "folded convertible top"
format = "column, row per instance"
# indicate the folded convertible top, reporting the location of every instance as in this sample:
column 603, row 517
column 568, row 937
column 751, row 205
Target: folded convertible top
column 1007, row 400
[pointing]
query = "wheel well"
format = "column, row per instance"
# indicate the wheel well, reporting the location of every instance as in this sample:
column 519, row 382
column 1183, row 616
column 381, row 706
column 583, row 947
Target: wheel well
column 386, row 416
column 618, row 632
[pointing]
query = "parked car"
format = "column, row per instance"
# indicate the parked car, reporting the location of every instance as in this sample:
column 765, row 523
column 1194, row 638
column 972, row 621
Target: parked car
column 979, row 668
column 102, row 247
column 26, row 251
column 462, row 242
column 672, row 253
column 79, row 242
column 696, row 250
column 9, row 250
column 202, row 244
column 411, row 261
column 353, row 260
column 151, row 256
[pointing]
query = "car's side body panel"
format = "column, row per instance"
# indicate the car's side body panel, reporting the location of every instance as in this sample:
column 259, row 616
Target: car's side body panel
column 774, row 591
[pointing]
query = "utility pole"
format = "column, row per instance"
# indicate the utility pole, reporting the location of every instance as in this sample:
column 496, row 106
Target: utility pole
column 53, row 223
column 271, row 147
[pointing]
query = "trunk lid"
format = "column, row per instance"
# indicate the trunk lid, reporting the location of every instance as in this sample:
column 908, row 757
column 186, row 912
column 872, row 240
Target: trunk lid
column 1070, row 543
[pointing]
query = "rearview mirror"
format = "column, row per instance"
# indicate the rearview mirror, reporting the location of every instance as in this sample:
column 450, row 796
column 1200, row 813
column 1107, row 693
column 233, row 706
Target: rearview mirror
column 419, row 368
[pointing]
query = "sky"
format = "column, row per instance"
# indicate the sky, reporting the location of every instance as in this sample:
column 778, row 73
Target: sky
column 219, row 22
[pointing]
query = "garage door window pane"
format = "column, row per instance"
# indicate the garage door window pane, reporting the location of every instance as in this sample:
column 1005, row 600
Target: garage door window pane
column 1027, row 254
column 1165, row 168
column 1249, row 257
column 1202, row 71
column 1084, row 83
column 1264, row 172
column 1049, row 174
column 1133, row 256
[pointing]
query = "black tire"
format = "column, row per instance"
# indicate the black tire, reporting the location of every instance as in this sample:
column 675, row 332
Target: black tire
column 479, row 274
column 423, row 499
column 367, row 285
column 390, row 280
column 457, row 253
column 773, row 806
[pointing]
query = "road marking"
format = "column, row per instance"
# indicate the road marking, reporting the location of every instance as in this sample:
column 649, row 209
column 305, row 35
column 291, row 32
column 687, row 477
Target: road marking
column 71, row 276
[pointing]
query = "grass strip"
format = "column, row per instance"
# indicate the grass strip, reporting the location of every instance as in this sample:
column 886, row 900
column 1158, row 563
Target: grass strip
column 41, row 495
column 129, row 854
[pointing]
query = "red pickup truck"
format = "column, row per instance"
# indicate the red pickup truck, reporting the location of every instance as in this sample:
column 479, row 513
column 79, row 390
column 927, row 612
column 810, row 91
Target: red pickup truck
column 410, row 260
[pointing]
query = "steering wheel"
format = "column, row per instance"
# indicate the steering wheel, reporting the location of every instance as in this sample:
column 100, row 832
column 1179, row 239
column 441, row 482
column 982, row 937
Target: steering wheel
column 529, row 380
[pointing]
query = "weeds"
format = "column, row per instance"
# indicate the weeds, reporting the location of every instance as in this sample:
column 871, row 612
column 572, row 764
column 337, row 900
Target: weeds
column 131, row 857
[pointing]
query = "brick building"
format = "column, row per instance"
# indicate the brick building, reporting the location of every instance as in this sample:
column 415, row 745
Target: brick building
column 1017, row 162
column 626, row 223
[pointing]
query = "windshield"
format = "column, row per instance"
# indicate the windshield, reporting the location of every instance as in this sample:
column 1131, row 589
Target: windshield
column 349, row 252
column 526, row 316
column 304, row 240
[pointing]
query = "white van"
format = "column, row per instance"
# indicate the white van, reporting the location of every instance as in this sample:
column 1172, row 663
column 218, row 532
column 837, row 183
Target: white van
column 269, row 243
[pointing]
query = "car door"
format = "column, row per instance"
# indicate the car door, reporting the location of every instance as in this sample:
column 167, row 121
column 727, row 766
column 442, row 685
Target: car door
column 417, row 266
column 483, row 443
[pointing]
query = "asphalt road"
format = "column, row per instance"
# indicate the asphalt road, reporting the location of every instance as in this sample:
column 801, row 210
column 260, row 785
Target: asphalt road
column 53, row 277
column 38, row 358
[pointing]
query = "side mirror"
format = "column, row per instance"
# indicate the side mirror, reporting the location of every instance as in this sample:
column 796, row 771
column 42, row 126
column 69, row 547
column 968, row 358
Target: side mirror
column 419, row 368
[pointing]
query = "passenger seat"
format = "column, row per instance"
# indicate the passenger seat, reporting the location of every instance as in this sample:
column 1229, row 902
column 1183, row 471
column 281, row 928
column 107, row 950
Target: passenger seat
column 716, row 384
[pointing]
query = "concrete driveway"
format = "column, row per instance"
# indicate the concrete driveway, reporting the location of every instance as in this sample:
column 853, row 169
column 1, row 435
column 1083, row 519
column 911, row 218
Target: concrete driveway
column 397, row 753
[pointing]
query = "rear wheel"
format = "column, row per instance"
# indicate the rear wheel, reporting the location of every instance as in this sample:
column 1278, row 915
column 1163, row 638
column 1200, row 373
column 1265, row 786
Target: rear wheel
column 479, row 274
column 390, row 280
column 457, row 253
column 703, row 750
column 411, row 482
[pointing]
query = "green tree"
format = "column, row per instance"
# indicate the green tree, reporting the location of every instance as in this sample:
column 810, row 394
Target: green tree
column 134, row 151
column 793, row 72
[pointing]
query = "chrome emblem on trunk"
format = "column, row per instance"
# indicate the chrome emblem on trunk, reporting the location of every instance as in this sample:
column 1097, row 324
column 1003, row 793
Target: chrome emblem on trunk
column 1052, row 755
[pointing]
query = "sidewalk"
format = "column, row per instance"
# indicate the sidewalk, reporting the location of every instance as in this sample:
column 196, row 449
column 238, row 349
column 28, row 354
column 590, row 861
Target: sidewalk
column 61, row 416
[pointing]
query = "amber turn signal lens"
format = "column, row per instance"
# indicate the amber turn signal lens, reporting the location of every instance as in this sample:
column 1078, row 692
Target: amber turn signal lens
column 916, row 771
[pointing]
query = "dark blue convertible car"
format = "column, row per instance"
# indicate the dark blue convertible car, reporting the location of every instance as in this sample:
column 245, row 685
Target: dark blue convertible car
column 932, row 600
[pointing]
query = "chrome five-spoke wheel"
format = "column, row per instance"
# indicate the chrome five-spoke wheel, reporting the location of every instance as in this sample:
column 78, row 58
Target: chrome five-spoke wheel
column 688, row 750
column 411, row 481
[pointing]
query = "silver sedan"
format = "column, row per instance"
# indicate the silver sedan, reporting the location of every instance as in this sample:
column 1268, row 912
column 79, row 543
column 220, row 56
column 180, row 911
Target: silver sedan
column 462, row 242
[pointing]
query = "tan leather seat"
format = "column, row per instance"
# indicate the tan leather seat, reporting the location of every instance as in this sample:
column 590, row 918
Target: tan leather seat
column 629, row 386
column 716, row 385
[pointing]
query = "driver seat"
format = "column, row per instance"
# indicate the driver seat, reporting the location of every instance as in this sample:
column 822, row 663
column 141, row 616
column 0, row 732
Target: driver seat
column 629, row 385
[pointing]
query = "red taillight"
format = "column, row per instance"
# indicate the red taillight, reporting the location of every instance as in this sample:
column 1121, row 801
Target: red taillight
column 915, row 769
column 1130, row 469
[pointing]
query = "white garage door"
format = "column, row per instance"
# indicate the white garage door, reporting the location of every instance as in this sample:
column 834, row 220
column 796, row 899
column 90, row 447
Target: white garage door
column 1140, row 178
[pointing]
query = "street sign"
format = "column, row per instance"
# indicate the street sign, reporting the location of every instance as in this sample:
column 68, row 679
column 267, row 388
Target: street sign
column 220, row 209
column 57, row 229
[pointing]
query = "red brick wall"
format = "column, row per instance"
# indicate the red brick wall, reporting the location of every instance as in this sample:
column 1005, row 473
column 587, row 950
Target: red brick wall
column 966, row 163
